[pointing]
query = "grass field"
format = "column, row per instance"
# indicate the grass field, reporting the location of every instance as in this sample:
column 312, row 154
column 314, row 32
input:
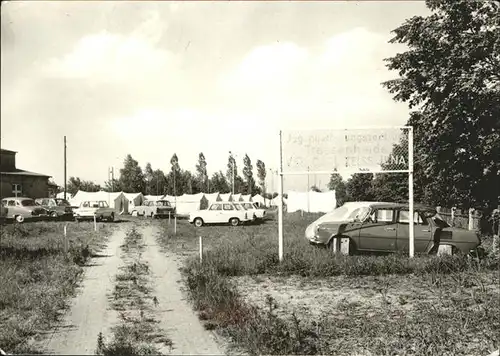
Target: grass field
column 315, row 303
column 38, row 278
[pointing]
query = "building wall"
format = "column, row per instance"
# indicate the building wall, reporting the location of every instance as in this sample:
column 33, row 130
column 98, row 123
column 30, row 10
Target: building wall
column 7, row 161
column 32, row 186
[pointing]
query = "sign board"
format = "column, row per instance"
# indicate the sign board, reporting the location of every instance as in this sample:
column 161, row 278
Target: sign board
column 355, row 150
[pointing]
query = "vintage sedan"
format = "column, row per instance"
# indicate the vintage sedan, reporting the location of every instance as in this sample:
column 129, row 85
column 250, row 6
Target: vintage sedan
column 21, row 209
column 56, row 207
column 384, row 227
column 90, row 208
column 221, row 213
column 155, row 209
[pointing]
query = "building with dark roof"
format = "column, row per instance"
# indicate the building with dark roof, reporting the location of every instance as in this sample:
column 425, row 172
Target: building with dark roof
column 18, row 182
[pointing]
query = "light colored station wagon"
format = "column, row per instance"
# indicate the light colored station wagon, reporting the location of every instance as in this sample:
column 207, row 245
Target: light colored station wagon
column 89, row 208
column 155, row 209
column 221, row 213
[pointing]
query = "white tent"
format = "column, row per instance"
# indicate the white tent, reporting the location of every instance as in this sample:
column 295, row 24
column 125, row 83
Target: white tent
column 261, row 200
column 134, row 199
column 246, row 197
column 61, row 196
column 225, row 197
column 213, row 197
column 115, row 200
column 188, row 203
column 275, row 201
column 236, row 197
column 153, row 197
column 170, row 198
column 313, row 202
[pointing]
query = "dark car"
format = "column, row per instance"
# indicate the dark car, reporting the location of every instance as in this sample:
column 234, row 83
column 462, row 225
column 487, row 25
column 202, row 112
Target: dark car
column 21, row 209
column 56, row 207
column 384, row 227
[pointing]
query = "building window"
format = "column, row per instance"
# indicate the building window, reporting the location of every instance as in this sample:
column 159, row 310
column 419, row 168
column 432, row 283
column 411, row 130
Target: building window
column 17, row 190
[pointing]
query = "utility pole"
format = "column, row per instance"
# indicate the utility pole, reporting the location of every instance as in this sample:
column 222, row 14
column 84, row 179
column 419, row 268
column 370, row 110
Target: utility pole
column 308, row 189
column 65, row 163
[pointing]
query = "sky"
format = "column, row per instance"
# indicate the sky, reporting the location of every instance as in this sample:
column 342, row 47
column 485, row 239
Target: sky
column 156, row 78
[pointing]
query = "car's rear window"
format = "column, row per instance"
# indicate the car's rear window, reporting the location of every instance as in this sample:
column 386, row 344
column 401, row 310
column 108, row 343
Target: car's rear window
column 62, row 202
column 28, row 202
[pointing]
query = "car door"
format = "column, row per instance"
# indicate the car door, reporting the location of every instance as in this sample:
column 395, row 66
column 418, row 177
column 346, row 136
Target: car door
column 213, row 214
column 422, row 232
column 379, row 231
column 228, row 212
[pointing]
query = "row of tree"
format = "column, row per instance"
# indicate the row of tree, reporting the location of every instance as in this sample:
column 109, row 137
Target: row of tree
column 177, row 181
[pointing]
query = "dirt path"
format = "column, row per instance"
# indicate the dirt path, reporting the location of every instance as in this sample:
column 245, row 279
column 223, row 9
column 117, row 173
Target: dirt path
column 90, row 312
column 175, row 315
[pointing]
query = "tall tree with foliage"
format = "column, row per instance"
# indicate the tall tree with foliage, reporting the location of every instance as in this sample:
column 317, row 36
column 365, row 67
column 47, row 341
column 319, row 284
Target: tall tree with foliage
column 131, row 176
column 248, row 174
column 158, row 185
column 450, row 77
column 232, row 173
column 75, row 184
column 148, row 177
column 174, row 173
column 337, row 183
column 359, row 187
column 219, row 183
column 112, row 185
column 201, row 174
column 261, row 174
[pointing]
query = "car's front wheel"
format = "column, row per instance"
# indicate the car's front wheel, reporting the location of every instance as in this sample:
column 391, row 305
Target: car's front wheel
column 111, row 217
column 234, row 221
column 19, row 218
column 53, row 214
column 198, row 222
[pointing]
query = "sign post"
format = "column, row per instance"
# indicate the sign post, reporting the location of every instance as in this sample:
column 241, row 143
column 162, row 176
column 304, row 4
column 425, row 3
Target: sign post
column 280, row 203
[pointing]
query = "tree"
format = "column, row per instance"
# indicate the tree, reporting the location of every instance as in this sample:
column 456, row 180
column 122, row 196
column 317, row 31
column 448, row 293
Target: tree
column 131, row 176
column 232, row 174
column 219, row 183
column 174, row 161
column 450, row 77
column 359, row 187
column 261, row 174
column 148, row 177
column 75, row 184
column 248, row 174
column 112, row 185
column 158, row 185
column 337, row 183
column 201, row 174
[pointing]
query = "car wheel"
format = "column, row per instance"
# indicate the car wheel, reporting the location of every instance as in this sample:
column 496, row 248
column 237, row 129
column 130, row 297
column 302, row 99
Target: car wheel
column 77, row 219
column 111, row 217
column 198, row 222
column 19, row 218
column 53, row 214
column 234, row 221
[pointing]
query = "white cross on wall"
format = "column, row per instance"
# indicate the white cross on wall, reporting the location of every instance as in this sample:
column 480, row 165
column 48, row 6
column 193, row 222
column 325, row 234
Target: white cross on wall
column 16, row 191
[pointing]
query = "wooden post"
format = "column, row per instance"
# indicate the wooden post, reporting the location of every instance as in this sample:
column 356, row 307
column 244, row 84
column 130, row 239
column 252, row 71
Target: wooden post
column 201, row 249
column 335, row 245
column 169, row 217
column 65, row 239
column 95, row 223
column 175, row 224
column 452, row 216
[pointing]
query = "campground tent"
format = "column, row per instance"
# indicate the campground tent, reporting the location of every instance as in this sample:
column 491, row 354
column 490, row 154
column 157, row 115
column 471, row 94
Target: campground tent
column 225, row 196
column 134, row 199
column 236, row 197
column 246, row 197
column 116, row 200
column 61, row 196
column 153, row 197
column 213, row 197
column 313, row 202
column 275, row 201
column 187, row 203
column 260, row 200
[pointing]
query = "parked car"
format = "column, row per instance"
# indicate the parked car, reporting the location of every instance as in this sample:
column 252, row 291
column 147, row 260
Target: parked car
column 384, row 227
column 260, row 213
column 221, row 213
column 21, row 209
column 250, row 210
column 89, row 208
column 159, row 208
column 56, row 207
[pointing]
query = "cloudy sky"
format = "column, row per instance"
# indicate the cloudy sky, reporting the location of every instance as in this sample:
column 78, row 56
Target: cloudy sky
column 154, row 78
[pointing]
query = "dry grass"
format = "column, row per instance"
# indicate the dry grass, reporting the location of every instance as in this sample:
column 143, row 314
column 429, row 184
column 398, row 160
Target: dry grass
column 38, row 279
column 368, row 305
column 132, row 297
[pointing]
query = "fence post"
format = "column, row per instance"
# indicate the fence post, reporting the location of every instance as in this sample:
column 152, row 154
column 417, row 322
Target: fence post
column 65, row 239
column 175, row 224
column 169, row 217
column 95, row 223
column 452, row 216
column 201, row 249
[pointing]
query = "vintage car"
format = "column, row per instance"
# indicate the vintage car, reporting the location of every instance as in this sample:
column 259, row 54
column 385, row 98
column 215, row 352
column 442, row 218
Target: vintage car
column 21, row 209
column 90, row 208
column 155, row 209
column 221, row 213
column 56, row 207
column 250, row 210
column 384, row 227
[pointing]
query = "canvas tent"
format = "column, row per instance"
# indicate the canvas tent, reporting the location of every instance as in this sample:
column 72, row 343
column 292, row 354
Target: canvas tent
column 116, row 200
column 313, row 202
column 187, row 203
column 225, row 197
column 246, row 197
column 260, row 200
column 61, row 196
column 275, row 201
column 134, row 199
column 236, row 197
column 153, row 197
column 213, row 197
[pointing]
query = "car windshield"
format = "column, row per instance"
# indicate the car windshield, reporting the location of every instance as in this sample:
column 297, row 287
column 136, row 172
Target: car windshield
column 162, row 203
column 346, row 212
column 28, row 202
column 62, row 202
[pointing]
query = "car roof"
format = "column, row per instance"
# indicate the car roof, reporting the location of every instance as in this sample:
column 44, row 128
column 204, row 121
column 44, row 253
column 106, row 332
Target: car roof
column 17, row 198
